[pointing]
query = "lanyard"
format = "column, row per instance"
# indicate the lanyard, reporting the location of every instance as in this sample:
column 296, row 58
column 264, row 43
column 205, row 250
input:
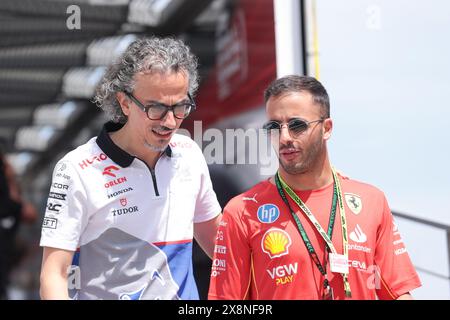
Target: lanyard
column 337, row 197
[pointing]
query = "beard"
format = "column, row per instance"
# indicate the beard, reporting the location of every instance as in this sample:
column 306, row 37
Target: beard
column 158, row 145
column 307, row 159
column 154, row 148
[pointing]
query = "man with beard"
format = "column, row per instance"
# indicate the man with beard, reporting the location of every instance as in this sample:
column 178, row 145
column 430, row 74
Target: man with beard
column 123, row 208
column 308, row 232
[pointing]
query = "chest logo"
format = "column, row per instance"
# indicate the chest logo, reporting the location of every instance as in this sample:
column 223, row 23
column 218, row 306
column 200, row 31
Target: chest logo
column 268, row 213
column 250, row 198
column 358, row 235
column 353, row 202
column 276, row 243
column 109, row 170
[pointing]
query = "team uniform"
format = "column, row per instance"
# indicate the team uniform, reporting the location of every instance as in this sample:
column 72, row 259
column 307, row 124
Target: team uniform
column 131, row 226
column 260, row 254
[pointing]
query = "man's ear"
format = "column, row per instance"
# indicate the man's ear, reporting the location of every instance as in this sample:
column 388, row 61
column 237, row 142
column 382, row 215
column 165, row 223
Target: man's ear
column 124, row 102
column 327, row 128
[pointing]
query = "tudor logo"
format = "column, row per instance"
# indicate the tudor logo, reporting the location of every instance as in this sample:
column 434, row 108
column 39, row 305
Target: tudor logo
column 119, row 212
column 353, row 202
column 109, row 171
column 123, row 202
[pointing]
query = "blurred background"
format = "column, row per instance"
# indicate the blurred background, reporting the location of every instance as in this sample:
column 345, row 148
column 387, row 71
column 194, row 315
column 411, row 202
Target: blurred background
column 384, row 63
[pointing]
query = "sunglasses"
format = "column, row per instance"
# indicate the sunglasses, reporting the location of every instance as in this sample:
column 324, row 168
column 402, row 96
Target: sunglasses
column 296, row 126
column 157, row 110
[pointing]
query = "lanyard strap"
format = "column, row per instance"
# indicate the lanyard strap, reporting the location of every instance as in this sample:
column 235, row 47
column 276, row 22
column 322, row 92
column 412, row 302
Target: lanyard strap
column 312, row 252
column 337, row 197
column 348, row 291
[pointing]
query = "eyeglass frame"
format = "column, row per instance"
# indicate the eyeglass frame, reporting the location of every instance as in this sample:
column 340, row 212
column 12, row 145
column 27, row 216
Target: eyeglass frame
column 281, row 125
column 145, row 108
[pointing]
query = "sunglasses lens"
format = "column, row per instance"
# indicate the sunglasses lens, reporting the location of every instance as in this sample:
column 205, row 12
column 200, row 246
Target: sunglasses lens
column 271, row 126
column 297, row 126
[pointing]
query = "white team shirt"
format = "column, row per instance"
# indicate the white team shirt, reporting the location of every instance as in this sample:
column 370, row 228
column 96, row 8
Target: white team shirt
column 132, row 227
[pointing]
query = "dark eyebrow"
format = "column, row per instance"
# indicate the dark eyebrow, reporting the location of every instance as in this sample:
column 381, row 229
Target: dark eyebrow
column 297, row 118
column 294, row 118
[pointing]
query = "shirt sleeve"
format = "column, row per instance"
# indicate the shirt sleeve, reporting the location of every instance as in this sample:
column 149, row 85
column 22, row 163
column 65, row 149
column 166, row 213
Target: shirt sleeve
column 65, row 215
column 231, row 267
column 395, row 271
column 207, row 206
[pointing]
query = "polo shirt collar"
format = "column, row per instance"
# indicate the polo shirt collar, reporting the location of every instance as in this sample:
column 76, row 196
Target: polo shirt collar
column 113, row 151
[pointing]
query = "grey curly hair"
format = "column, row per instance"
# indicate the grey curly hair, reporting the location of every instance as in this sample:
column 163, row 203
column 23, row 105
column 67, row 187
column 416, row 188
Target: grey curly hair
column 144, row 55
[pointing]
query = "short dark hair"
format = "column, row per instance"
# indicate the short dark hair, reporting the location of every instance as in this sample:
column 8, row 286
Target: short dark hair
column 295, row 83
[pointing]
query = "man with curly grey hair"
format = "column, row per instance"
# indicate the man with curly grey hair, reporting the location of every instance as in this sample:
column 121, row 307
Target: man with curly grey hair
column 123, row 208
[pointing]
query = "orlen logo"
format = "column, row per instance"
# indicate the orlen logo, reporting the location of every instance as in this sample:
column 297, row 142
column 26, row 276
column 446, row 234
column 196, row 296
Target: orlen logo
column 115, row 182
column 268, row 213
column 283, row 274
column 123, row 202
column 87, row 162
column 276, row 243
column 109, row 171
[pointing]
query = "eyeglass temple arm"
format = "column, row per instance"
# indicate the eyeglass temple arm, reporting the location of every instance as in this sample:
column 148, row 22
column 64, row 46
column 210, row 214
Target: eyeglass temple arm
column 194, row 105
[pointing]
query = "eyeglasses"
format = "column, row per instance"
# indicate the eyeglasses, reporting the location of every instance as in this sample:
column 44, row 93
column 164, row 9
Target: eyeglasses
column 157, row 110
column 296, row 126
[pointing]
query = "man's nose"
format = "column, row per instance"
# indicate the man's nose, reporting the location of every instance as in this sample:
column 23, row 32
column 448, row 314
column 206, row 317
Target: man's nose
column 285, row 136
column 169, row 120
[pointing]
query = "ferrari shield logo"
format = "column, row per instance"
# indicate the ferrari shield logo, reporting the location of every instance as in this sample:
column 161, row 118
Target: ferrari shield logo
column 353, row 202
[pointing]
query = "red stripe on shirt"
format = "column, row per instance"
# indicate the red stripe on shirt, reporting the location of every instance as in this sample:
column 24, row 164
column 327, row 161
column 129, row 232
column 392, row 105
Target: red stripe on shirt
column 171, row 242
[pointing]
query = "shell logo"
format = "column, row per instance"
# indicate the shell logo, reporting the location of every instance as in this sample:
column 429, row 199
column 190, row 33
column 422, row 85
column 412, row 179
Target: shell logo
column 276, row 243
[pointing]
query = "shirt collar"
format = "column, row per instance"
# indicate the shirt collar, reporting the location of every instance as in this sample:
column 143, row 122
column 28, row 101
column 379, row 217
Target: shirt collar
column 113, row 151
